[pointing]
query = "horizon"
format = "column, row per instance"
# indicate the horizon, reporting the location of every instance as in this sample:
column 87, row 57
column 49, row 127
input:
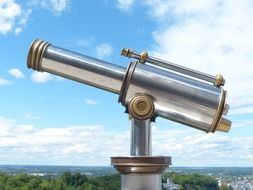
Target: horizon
column 50, row 120
column 110, row 166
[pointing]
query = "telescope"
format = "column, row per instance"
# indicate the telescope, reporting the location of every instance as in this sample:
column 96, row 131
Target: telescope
column 149, row 87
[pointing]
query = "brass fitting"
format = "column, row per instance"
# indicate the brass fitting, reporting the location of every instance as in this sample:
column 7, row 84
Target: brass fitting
column 141, row 107
column 127, row 52
column 35, row 54
column 141, row 164
column 143, row 57
column 218, row 80
column 224, row 125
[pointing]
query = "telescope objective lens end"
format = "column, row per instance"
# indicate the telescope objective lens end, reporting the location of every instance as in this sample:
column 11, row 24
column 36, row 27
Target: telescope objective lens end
column 35, row 54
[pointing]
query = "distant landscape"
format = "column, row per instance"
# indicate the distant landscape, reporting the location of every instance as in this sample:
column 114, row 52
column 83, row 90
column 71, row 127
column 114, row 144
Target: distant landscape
column 105, row 170
column 90, row 177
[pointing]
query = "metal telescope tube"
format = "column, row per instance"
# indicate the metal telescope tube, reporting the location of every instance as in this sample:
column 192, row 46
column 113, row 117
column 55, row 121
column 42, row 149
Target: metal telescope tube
column 100, row 74
column 176, row 97
column 181, row 99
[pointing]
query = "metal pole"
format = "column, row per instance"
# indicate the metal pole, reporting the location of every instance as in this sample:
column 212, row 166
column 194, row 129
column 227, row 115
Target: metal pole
column 141, row 170
column 141, row 146
column 140, row 138
column 141, row 182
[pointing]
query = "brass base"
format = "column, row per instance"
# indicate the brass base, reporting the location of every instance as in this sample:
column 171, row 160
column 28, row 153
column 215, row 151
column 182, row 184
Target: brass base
column 141, row 164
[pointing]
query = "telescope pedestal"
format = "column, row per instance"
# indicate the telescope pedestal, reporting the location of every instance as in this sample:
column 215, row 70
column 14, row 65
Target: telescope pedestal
column 141, row 171
column 141, row 181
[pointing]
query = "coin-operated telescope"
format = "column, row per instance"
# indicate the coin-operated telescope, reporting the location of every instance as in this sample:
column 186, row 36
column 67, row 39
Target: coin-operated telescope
column 148, row 88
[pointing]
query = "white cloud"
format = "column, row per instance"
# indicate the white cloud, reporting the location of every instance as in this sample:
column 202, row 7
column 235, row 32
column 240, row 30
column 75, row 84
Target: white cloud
column 212, row 36
column 90, row 102
column 125, row 4
column 73, row 145
column 40, row 77
column 22, row 21
column 83, row 42
column 12, row 17
column 241, row 110
column 9, row 11
column 56, row 6
column 104, row 50
column 4, row 82
column 17, row 30
column 31, row 116
column 16, row 73
column 82, row 145
column 242, row 123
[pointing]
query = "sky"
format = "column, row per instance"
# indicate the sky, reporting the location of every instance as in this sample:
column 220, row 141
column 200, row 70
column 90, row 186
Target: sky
column 48, row 120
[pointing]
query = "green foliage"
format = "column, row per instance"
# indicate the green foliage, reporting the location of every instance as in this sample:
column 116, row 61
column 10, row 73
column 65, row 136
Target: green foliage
column 225, row 187
column 66, row 181
column 193, row 181
column 74, row 180
column 46, row 185
column 77, row 181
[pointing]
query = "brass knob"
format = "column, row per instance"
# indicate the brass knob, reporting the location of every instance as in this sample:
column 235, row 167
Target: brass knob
column 143, row 57
column 218, row 80
column 224, row 125
column 141, row 107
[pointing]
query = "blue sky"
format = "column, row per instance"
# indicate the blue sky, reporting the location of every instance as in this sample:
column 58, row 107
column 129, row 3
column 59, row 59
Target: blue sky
column 45, row 119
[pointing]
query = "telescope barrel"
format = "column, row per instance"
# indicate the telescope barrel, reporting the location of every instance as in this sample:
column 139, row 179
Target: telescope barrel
column 100, row 74
column 176, row 97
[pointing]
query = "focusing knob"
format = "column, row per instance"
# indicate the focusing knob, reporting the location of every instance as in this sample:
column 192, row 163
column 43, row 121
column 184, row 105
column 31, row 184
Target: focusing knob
column 141, row 107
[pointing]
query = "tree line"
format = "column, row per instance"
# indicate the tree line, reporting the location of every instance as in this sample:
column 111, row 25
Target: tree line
column 66, row 181
column 77, row 181
column 194, row 181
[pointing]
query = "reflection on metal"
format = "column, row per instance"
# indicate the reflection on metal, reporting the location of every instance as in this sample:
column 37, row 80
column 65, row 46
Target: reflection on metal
column 148, row 87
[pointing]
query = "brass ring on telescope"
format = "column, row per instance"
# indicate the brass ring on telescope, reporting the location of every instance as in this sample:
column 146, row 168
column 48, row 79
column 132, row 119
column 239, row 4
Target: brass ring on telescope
column 31, row 63
column 37, row 54
column 219, row 112
column 36, row 51
column 126, row 82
